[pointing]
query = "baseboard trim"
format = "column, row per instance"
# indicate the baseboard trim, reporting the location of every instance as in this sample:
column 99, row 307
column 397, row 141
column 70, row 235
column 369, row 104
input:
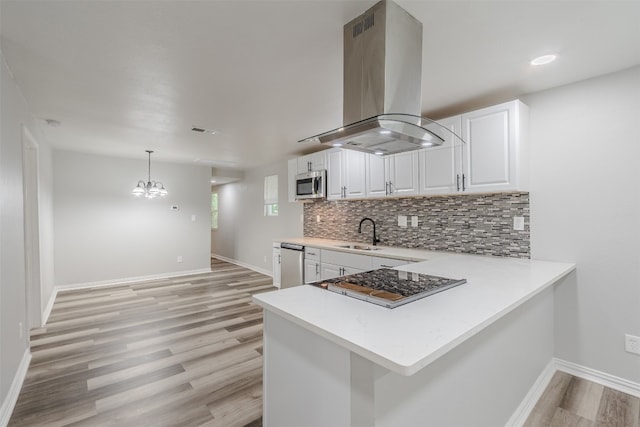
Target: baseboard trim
column 242, row 264
column 124, row 280
column 521, row 414
column 10, row 400
column 602, row 378
column 523, row 411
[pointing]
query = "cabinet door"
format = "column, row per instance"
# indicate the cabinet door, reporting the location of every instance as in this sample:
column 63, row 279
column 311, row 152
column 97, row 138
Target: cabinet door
column 489, row 160
column 312, row 162
column 276, row 267
column 350, row 270
column 329, row 271
column 403, row 174
column 311, row 271
column 335, row 180
column 354, row 171
column 375, row 176
column 441, row 167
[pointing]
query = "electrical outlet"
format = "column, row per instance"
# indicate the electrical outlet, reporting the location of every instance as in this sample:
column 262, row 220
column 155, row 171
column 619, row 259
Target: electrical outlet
column 179, row 258
column 632, row 344
column 414, row 221
column 518, row 223
column 402, row 220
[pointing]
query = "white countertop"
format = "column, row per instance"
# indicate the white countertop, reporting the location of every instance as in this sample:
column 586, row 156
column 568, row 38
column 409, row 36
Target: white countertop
column 407, row 338
column 381, row 251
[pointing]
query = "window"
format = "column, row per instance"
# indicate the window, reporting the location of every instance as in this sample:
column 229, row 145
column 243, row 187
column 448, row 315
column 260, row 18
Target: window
column 271, row 195
column 214, row 211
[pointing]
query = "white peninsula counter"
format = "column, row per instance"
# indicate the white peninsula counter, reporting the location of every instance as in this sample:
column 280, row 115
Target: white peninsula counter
column 462, row 357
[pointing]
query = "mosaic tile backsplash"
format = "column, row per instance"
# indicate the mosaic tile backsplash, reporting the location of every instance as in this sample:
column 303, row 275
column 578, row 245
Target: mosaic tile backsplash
column 471, row 223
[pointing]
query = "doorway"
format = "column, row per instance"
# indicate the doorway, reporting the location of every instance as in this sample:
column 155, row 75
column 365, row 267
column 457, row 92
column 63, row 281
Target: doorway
column 31, row 229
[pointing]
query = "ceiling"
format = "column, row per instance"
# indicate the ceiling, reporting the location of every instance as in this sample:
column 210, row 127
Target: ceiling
column 125, row 76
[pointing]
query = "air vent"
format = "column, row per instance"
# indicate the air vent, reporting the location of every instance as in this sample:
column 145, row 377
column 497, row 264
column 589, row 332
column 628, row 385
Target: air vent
column 362, row 26
column 204, row 130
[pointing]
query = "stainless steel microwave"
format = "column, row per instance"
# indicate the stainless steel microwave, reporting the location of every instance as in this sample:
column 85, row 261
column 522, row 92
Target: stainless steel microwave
column 311, row 185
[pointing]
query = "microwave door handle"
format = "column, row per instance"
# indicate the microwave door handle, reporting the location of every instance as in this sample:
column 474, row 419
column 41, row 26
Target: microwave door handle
column 316, row 185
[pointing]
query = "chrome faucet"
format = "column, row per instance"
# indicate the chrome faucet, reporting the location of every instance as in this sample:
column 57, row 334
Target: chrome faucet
column 375, row 238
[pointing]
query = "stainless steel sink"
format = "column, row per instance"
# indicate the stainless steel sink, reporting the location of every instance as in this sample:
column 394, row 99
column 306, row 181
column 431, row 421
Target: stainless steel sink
column 358, row 247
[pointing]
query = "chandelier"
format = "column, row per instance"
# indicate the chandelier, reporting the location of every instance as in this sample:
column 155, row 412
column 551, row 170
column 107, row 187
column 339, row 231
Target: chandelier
column 151, row 189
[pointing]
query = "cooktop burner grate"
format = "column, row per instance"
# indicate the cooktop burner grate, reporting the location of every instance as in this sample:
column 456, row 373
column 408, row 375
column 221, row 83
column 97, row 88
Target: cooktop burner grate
column 387, row 287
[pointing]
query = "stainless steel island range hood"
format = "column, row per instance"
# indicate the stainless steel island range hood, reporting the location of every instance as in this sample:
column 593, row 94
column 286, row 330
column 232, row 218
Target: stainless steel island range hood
column 382, row 86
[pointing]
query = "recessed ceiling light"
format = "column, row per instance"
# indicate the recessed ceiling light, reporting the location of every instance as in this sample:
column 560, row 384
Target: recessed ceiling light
column 337, row 144
column 378, row 153
column 385, row 132
column 213, row 181
column 427, row 144
column 544, row 59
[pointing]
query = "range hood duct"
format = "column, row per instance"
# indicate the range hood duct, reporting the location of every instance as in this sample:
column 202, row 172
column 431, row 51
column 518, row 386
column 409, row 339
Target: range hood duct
column 382, row 86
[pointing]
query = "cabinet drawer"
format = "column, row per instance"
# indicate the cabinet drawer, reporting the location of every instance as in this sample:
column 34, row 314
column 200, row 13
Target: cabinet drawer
column 379, row 262
column 312, row 254
column 361, row 262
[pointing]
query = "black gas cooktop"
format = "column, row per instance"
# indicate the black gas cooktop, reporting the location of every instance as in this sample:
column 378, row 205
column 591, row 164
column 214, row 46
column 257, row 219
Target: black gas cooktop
column 387, row 287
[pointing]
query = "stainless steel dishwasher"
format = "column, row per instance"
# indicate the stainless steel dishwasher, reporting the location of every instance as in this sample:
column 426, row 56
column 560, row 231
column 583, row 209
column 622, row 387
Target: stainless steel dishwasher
column 291, row 265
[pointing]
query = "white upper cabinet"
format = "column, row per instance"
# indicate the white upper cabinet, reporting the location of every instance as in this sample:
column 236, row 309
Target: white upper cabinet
column 345, row 174
column 376, row 177
column 395, row 175
column 403, row 173
column 492, row 158
column 494, row 154
column 312, row 162
column 441, row 167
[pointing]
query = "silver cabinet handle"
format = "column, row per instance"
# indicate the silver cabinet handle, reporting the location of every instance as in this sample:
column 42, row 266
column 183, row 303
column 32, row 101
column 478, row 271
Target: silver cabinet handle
column 463, row 182
column 386, row 266
column 457, row 182
column 317, row 268
column 386, row 188
column 390, row 188
column 279, row 260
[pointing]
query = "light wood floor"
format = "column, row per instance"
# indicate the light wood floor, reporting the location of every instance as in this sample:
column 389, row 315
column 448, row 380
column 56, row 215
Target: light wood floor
column 182, row 351
column 569, row 401
column 187, row 351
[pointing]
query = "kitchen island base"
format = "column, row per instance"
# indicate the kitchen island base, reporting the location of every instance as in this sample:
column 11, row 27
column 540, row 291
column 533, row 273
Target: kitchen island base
column 311, row 381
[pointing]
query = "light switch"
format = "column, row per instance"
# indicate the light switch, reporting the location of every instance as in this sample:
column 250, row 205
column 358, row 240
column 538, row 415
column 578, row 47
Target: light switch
column 193, row 218
column 402, row 220
column 414, row 221
column 518, row 223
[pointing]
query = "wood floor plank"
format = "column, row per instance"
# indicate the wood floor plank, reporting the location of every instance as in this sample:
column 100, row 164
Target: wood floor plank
column 618, row 409
column 130, row 354
column 582, row 398
column 545, row 408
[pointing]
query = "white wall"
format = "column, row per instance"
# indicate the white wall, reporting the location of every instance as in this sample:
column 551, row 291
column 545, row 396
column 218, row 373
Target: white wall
column 585, row 209
column 14, row 115
column 244, row 233
column 103, row 233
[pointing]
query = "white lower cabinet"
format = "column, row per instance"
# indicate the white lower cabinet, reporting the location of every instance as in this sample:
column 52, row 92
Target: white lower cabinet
column 329, row 271
column 311, row 265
